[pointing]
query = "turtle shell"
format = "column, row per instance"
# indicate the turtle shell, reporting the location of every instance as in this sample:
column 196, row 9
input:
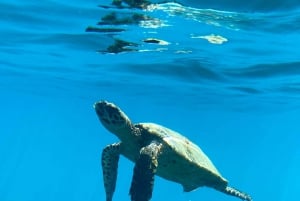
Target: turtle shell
column 182, row 161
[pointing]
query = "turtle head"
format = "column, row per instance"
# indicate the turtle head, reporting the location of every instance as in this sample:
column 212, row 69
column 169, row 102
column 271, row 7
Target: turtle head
column 113, row 119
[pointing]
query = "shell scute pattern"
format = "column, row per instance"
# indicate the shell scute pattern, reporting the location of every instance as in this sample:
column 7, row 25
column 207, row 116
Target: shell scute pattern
column 181, row 145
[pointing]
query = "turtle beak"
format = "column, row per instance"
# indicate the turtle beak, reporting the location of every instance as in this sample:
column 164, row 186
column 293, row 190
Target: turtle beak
column 95, row 105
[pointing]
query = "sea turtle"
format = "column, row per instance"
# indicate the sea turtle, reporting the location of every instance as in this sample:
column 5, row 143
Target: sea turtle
column 155, row 150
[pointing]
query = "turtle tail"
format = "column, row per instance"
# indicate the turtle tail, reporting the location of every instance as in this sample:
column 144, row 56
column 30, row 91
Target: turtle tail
column 235, row 192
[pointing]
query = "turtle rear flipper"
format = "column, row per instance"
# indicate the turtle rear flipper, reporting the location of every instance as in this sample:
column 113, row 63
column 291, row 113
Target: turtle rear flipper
column 234, row 192
column 144, row 171
column 110, row 159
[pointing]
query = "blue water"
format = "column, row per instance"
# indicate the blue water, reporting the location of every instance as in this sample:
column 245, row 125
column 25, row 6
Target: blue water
column 238, row 98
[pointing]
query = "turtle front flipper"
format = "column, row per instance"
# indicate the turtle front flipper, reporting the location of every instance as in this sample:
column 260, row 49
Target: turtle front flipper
column 144, row 171
column 110, row 159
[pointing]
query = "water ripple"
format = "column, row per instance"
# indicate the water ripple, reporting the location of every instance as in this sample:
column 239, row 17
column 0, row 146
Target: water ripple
column 267, row 71
column 191, row 71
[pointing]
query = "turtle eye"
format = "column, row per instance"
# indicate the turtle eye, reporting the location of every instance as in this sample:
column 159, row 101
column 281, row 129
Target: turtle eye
column 116, row 117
